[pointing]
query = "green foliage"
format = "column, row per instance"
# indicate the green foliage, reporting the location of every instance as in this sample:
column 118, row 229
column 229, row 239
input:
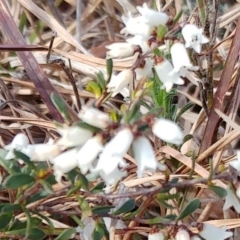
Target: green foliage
column 189, row 209
column 221, row 192
column 126, row 207
column 66, row 234
column 18, row 180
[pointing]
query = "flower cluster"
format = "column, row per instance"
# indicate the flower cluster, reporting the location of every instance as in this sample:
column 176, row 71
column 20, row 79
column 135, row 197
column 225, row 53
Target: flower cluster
column 79, row 147
column 143, row 29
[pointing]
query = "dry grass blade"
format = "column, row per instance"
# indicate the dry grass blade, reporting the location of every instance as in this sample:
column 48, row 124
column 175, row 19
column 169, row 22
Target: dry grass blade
column 222, row 88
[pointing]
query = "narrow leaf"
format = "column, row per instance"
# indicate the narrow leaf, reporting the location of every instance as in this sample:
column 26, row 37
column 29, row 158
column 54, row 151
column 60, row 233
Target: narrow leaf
column 189, row 209
column 221, row 192
column 66, row 234
column 126, row 207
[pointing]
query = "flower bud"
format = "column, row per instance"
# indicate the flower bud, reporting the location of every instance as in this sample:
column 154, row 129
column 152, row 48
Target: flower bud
column 120, row 50
column 182, row 235
column 94, row 117
column 168, row 131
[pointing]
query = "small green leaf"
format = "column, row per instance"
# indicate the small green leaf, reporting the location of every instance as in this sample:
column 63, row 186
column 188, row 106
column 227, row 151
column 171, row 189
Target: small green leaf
column 99, row 232
column 86, row 126
column 109, row 63
column 94, row 88
column 183, row 110
column 36, row 234
column 61, row 106
column 189, row 209
column 18, row 180
column 8, row 207
column 98, row 188
column 47, row 186
column 158, row 220
column 101, row 81
column 161, row 32
column 221, row 192
column 66, row 234
column 126, row 207
column 5, row 218
column 177, row 16
column 101, row 209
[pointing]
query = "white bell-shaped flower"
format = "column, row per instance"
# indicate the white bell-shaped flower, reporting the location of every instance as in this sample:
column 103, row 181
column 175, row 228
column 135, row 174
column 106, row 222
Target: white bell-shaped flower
column 168, row 131
column 136, row 26
column 146, row 70
column 94, row 117
column 141, row 41
column 181, row 60
column 89, row 225
column 163, row 69
column 88, row 153
column 120, row 81
column 194, row 37
column 210, row 232
column 182, row 235
column 152, row 17
column 156, row 236
column 65, row 162
column 120, row 50
column 19, row 142
column 108, row 169
column 42, row 151
column 120, row 143
column 144, row 155
column 231, row 201
column 73, row 136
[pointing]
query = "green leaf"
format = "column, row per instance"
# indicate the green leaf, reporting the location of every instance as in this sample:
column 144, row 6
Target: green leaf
column 177, row 16
column 94, row 88
column 37, row 196
column 183, row 110
column 161, row 32
column 18, row 180
column 109, row 63
column 101, row 81
column 158, row 220
column 98, row 188
column 61, row 106
column 132, row 114
column 66, row 234
column 47, row 186
column 8, row 207
column 99, row 232
column 86, row 126
column 36, row 234
column 221, row 192
column 5, row 218
column 189, row 209
column 101, row 209
column 9, row 166
column 126, row 207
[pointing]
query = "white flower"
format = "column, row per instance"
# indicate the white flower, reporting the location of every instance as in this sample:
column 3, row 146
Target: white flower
column 19, row 142
column 120, row 81
column 182, row 235
column 63, row 163
column 120, row 50
column 42, row 151
column 162, row 69
column 146, row 70
column 156, row 236
column 141, row 41
column 210, row 232
column 168, row 131
column 94, row 117
column 181, row 60
column 89, row 226
column 118, row 224
column 73, row 136
column 144, row 156
column 136, row 26
column 231, row 201
column 236, row 163
column 194, row 37
column 119, row 144
column 152, row 17
column 88, row 153
column 195, row 238
column 108, row 169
